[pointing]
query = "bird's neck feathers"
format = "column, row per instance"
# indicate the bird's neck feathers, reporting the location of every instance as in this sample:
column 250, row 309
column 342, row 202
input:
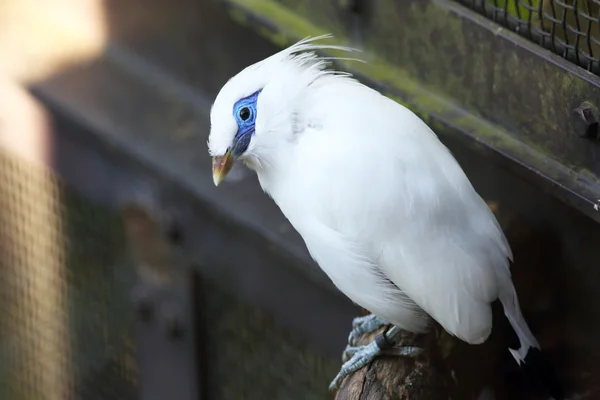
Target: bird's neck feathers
column 288, row 80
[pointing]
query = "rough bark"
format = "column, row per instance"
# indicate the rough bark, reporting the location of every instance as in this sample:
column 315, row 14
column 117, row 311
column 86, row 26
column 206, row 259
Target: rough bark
column 391, row 377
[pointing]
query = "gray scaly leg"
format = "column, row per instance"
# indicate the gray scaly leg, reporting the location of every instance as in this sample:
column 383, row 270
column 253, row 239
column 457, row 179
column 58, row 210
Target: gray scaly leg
column 359, row 356
column 362, row 325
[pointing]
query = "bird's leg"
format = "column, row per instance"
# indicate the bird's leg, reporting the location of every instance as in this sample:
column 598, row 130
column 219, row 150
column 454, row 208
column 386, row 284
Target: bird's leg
column 363, row 355
column 362, row 325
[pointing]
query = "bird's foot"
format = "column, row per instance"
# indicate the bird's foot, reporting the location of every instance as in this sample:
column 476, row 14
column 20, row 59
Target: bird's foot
column 362, row 325
column 359, row 356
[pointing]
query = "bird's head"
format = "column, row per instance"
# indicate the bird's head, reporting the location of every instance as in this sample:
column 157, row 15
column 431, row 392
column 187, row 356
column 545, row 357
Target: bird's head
column 232, row 132
column 253, row 111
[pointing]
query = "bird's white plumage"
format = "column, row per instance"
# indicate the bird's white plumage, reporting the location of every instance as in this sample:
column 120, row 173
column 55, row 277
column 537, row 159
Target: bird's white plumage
column 382, row 205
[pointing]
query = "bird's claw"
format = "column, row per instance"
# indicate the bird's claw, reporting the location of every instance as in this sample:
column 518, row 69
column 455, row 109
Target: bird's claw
column 349, row 351
column 358, row 321
column 363, row 355
column 362, row 325
column 355, row 357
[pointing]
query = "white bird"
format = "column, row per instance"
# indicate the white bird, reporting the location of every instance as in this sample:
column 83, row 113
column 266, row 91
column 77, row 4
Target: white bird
column 382, row 205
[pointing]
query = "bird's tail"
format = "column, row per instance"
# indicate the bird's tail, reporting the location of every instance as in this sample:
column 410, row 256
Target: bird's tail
column 529, row 356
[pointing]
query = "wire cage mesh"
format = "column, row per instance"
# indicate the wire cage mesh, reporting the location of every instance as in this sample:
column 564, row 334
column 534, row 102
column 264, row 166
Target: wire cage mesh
column 569, row 28
column 66, row 320
column 63, row 311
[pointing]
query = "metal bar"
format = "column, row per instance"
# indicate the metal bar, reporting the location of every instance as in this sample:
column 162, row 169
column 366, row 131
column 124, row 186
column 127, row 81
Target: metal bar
column 166, row 339
column 164, row 299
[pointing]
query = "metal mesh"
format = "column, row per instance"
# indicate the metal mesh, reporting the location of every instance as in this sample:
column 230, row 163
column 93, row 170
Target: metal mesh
column 64, row 309
column 569, row 28
column 64, row 320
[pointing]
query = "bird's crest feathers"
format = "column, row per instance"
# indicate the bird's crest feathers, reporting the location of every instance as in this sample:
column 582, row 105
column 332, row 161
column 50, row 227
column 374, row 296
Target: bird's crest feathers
column 281, row 77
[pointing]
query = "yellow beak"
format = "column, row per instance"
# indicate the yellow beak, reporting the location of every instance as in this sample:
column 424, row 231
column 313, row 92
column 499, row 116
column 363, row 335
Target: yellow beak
column 221, row 165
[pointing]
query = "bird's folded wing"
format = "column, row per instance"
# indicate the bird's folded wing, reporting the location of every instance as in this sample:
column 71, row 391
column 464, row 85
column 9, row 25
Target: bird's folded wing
column 451, row 268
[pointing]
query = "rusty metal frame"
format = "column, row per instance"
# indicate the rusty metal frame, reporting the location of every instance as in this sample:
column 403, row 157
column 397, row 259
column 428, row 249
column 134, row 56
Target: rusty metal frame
column 467, row 77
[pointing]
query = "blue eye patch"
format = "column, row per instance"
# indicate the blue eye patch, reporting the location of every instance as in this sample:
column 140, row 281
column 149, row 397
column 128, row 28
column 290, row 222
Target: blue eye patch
column 244, row 112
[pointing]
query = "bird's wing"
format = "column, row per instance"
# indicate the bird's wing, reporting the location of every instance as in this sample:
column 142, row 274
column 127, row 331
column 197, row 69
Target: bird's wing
column 443, row 248
column 448, row 276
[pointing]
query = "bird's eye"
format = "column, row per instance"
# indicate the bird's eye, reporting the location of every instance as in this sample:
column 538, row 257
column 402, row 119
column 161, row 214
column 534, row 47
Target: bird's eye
column 245, row 113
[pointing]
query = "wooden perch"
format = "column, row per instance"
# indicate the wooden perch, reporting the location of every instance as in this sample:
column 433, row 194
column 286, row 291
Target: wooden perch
column 391, row 377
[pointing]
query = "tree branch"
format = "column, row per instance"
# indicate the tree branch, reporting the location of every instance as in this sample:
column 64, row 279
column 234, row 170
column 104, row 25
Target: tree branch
column 392, row 377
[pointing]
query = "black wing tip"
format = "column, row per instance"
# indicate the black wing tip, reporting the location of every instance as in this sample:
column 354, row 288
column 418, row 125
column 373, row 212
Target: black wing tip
column 542, row 371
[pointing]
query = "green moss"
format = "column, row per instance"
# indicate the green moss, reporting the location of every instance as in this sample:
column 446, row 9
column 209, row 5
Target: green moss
column 424, row 103
column 238, row 16
column 515, row 8
column 295, row 27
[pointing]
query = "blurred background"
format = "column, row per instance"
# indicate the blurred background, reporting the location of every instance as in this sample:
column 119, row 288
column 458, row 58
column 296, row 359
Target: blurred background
column 125, row 274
